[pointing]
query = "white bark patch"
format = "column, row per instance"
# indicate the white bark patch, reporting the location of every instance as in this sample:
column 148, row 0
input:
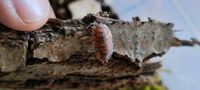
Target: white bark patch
column 81, row 8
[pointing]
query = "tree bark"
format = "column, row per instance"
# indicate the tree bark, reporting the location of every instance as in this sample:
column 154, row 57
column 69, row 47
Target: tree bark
column 61, row 54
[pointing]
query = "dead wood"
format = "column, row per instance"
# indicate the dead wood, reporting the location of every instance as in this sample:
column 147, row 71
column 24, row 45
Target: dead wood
column 62, row 49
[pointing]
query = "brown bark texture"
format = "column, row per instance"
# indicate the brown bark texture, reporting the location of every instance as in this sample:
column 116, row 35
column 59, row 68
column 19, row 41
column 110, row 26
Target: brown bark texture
column 61, row 54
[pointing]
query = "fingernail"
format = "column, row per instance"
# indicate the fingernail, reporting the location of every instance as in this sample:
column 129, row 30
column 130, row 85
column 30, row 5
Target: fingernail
column 31, row 10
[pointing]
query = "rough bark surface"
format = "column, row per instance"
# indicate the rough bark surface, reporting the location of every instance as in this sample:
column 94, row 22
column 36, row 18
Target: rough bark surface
column 62, row 52
column 60, row 39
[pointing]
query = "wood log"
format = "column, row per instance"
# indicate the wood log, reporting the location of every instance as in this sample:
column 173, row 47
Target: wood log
column 59, row 39
column 62, row 49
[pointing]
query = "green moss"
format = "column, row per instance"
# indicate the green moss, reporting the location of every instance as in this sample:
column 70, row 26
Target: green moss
column 125, row 88
column 156, row 87
column 148, row 87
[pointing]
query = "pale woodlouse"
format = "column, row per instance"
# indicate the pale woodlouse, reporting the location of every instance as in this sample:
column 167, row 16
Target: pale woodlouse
column 102, row 41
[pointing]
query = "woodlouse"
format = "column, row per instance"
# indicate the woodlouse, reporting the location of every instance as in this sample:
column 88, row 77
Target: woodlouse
column 102, row 41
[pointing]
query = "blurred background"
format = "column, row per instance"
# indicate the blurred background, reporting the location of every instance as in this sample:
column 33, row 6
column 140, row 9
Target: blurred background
column 180, row 65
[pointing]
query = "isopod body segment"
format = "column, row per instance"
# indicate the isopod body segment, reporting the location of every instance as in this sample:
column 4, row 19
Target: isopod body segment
column 102, row 41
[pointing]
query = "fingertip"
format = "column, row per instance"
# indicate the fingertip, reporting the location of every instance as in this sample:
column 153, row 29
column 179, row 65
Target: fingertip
column 24, row 15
